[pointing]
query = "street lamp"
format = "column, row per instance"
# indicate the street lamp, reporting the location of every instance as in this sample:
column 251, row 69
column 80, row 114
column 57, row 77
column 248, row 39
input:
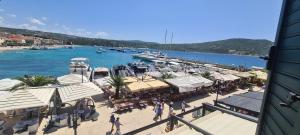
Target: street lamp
column 74, row 117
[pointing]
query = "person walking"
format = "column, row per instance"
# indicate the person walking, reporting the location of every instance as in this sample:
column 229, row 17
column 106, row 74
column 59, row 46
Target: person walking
column 170, row 110
column 183, row 106
column 112, row 121
column 118, row 124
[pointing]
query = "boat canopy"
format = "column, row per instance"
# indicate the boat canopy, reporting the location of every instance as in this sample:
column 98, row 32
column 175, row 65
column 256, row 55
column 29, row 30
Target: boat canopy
column 101, row 69
column 26, row 98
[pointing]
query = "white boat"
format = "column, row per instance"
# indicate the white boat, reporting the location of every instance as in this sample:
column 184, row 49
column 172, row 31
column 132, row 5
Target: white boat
column 80, row 66
column 100, row 50
column 101, row 76
column 147, row 55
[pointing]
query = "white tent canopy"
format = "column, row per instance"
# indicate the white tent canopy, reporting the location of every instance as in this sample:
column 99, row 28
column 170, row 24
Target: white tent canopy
column 71, row 79
column 189, row 83
column 224, row 77
column 7, row 84
column 78, row 91
column 26, row 98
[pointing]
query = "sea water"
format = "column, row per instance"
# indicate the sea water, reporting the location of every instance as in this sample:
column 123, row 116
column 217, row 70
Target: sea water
column 56, row 62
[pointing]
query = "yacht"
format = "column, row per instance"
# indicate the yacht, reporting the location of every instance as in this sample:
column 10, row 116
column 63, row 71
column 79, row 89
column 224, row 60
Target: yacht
column 80, row 66
column 101, row 72
column 138, row 67
column 149, row 56
column 101, row 76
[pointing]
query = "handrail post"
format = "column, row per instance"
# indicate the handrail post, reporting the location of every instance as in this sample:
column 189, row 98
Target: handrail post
column 171, row 122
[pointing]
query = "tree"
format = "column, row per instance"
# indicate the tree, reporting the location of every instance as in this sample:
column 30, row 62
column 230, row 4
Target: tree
column 118, row 83
column 166, row 76
column 35, row 81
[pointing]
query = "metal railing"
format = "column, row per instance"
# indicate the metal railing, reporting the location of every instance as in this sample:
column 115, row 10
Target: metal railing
column 205, row 107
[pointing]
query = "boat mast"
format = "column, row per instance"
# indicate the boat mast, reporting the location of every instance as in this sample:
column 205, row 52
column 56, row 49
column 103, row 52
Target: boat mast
column 166, row 34
column 171, row 40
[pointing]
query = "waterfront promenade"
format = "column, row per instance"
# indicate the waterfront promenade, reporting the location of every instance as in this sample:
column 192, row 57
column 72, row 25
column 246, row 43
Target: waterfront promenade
column 132, row 120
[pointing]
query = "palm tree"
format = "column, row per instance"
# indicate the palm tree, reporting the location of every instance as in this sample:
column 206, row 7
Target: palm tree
column 35, row 81
column 166, row 76
column 206, row 75
column 118, row 83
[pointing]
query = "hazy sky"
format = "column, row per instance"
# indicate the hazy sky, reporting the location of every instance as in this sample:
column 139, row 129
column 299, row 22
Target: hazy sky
column 189, row 20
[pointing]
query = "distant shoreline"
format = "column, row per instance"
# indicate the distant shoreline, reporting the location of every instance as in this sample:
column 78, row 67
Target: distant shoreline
column 16, row 48
column 8, row 48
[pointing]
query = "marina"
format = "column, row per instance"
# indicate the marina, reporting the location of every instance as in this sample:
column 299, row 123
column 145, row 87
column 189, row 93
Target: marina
column 31, row 62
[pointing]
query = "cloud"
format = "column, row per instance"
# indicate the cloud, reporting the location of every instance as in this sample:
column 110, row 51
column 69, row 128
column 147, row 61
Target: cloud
column 101, row 34
column 28, row 26
column 1, row 19
column 65, row 27
column 11, row 15
column 44, row 18
column 36, row 21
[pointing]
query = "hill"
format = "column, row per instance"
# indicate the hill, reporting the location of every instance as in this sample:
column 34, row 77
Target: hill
column 229, row 46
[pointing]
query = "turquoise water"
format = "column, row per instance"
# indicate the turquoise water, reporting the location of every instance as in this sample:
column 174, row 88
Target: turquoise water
column 56, row 62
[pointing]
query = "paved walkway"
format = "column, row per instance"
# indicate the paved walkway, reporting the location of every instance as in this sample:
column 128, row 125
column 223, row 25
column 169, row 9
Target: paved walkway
column 131, row 120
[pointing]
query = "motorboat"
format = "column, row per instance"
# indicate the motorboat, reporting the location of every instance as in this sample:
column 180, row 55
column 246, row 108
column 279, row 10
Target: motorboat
column 138, row 67
column 101, row 76
column 100, row 50
column 149, row 56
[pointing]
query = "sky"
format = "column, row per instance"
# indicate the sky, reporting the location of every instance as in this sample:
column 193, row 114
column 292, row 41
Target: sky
column 190, row 21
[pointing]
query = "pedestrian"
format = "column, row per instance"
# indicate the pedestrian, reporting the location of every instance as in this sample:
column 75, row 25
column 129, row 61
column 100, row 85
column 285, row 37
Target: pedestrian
column 162, row 104
column 183, row 106
column 170, row 110
column 112, row 121
column 159, row 111
column 118, row 124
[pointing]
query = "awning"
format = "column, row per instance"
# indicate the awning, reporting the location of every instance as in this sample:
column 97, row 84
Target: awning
column 26, row 98
column 78, row 91
column 130, row 79
column 8, row 84
column 71, row 79
column 189, row 83
column 138, row 86
column 260, row 74
column 157, row 84
column 244, row 74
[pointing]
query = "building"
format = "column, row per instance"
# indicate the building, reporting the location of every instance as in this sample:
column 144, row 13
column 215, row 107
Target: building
column 2, row 40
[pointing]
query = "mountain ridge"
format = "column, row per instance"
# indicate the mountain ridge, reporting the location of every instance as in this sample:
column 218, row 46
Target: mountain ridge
column 240, row 46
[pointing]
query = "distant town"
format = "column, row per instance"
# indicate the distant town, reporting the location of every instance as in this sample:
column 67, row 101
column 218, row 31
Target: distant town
column 7, row 39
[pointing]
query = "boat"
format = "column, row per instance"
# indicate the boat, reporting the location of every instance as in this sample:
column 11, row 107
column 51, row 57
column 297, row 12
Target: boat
column 100, row 72
column 80, row 66
column 100, row 50
column 121, row 70
column 138, row 67
column 149, row 56
column 101, row 76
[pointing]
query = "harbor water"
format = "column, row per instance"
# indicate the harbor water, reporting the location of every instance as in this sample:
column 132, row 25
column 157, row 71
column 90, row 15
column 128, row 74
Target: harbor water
column 56, row 62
